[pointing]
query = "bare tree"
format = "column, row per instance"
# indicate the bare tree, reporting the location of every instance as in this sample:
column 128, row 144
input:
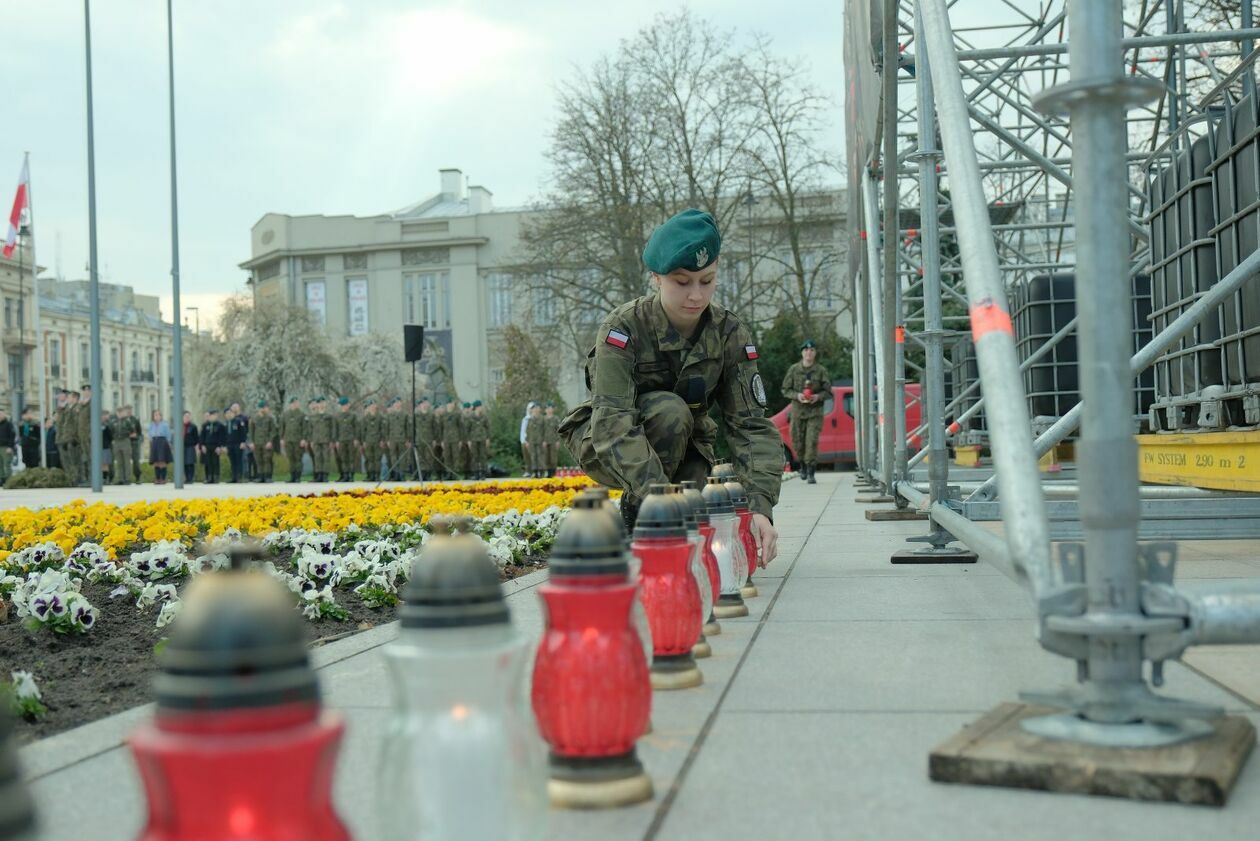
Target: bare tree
column 681, row 115
column 788, row 167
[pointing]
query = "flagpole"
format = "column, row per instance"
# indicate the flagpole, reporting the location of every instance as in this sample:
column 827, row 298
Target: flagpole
column 177, row 356
column 40, row 356
column 94, row 288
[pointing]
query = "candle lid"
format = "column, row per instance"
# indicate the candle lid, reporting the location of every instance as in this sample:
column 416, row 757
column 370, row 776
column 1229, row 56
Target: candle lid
column 739, row 497
column 699, row 508
column 717, row 497
column 661, row 515
column 453, row 584
column 590, row 541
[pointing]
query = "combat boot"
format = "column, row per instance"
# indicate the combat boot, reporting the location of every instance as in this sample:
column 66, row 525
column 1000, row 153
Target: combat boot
column 811, row 480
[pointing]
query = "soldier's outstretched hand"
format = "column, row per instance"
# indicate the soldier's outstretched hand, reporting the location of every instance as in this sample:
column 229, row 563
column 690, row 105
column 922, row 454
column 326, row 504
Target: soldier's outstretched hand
column 767, row 538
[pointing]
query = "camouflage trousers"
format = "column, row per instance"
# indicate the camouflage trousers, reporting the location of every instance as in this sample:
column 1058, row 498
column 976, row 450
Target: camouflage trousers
column 122, row 462
column 293, row 452
column 71, row 459
column 668, row 425
column 553, row 455
column 347, row 457
column 428, row 460
column 265, row 458
column 321, row 456
column 805, row 431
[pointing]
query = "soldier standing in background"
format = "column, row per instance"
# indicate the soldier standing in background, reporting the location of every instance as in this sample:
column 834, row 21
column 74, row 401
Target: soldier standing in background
column 237, row 441
column 370, row 441
column 213, row 443
column 68, row 437
column 439, row 429
column 122, row 448
column 452, row 440
column 263, row 432
column 319, row 426
column 397, row 434
column 8, row 443
column 467, row 462
column 551, row 439
column 135, row 435
column 426, row 437
column 83, row 420
column 293, row 437
column 535, row 437
column 807, row 384
column 480, row 437
column 345, row 440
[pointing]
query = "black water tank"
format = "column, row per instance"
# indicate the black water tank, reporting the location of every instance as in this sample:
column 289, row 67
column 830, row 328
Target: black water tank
column 1236, row 184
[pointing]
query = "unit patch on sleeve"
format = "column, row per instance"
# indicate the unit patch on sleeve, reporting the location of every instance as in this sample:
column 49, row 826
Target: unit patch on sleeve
column 617, row 339
column 750, row 351
column 758, row 390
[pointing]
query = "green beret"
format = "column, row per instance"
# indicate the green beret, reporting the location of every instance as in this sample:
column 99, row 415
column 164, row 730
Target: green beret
column 262, row 404
column 550, row 405
column 369, row 402
column 343, row 401
column 295, row 399
column 467, row 405
column 689, row 240
column 808, row 343
column 476, row 403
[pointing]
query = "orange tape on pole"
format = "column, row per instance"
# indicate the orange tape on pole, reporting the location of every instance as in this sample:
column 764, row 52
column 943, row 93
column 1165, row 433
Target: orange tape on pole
column 987, row 317
column 953, row 428
column 900, row 335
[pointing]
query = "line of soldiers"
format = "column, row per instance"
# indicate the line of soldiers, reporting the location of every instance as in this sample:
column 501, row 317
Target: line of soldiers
column 121, row 437
column 542, row 441
column 451, row 441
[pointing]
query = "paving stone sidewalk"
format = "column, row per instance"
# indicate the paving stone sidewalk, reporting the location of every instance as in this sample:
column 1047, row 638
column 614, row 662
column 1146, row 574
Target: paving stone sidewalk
column 815, row 719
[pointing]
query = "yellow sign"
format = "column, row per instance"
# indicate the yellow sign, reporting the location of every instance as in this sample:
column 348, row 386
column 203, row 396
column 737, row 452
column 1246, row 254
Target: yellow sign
column 1227, row 461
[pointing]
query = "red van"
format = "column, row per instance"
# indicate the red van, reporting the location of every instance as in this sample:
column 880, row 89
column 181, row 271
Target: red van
column 837, row 443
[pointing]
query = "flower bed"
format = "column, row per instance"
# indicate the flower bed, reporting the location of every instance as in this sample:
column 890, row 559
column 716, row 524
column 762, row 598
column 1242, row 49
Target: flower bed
column 90, row 588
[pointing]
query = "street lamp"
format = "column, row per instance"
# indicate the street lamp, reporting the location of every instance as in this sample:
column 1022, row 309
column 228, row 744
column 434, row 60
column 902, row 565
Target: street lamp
column 196, row 319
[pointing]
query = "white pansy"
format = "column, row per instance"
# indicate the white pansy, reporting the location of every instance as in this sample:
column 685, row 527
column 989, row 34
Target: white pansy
column 24, row 686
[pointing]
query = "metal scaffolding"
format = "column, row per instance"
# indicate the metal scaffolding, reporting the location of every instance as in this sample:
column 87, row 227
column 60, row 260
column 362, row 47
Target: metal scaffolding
column 991, row 155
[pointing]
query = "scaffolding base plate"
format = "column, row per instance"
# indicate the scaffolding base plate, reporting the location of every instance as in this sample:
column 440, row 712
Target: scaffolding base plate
column 869, row 498
column 924, row 556
column 894, row 515
column 997, row 751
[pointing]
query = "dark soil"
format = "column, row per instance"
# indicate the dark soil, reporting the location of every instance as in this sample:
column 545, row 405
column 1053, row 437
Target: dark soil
column 84, row 677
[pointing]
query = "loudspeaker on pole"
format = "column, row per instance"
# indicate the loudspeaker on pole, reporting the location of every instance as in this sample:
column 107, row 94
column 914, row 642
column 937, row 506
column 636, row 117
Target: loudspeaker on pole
column 413, row 342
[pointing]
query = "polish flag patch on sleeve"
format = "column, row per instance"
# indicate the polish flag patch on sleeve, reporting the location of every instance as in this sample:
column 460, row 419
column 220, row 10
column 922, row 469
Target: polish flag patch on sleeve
column 750, row 351
column 617, row 339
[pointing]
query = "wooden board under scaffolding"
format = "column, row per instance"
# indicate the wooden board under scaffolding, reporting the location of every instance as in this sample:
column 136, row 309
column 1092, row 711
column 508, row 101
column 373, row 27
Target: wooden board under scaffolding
column 1227, row 461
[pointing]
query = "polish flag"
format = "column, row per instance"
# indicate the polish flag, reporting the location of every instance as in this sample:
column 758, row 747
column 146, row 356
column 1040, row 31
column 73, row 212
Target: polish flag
column 19, row 205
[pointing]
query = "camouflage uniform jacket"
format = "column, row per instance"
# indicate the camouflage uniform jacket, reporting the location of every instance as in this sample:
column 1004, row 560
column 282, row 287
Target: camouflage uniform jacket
column 346, row 427
column 397, row 427
column 427, row 428
column 551, row 429
column 370, row 429
column 83, row 419
column 67, row 424
column 794, row 382
column 479, row 428
column 293, row 425
column 452, row 428
column 319, row 428
column 263, row 429
column 639, row 351
column 131, row 426
column 534, row 433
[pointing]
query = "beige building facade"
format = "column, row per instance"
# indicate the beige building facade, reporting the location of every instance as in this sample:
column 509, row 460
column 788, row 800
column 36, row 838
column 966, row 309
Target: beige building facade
column 136, row 344
column 444, row 263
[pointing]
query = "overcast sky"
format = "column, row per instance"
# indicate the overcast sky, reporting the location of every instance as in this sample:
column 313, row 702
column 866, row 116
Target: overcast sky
column 306, row 106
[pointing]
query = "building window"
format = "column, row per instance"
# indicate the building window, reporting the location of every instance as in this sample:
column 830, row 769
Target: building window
column 313, row 264
column 354, row 262
column 113, row 364
column 426, row 256
column 426, row 299
column 357, row 305
column 8, row 312
column 15, row 377
column 54, row 354
column 499, row 297
column 544, row 307
column 316, row 302
column 85, row 361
